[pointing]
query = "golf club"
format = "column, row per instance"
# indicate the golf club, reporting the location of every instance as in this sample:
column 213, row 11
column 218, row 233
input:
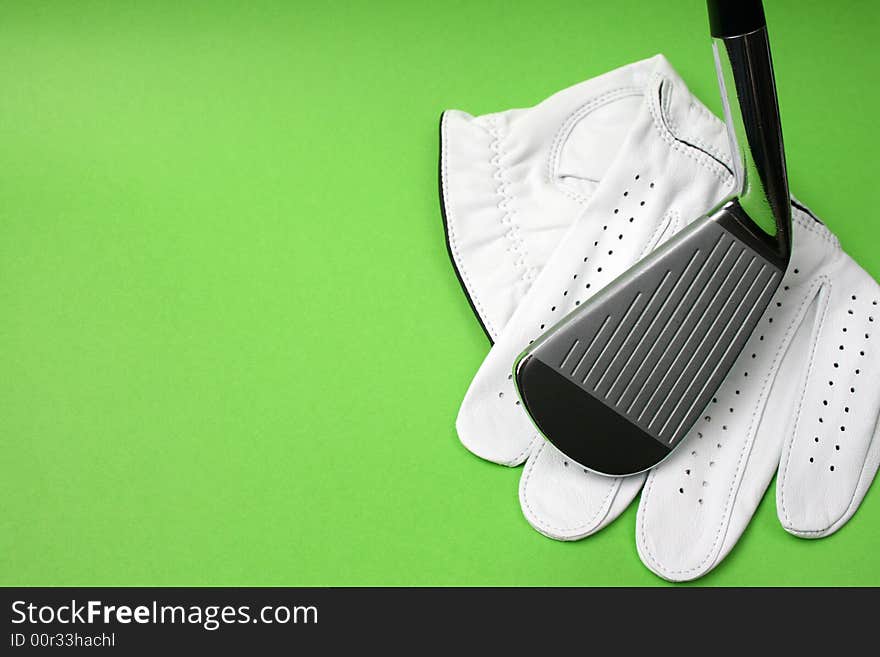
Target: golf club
column 619, row 382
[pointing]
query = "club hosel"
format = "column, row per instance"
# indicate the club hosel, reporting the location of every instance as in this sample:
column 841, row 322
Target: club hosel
column 748, row 91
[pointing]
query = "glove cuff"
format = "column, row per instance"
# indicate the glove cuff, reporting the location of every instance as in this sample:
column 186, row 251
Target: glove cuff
column 470, row 186
column 512, row 182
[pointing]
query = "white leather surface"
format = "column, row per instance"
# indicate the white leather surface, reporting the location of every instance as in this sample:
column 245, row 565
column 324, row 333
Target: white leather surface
column 514, row 182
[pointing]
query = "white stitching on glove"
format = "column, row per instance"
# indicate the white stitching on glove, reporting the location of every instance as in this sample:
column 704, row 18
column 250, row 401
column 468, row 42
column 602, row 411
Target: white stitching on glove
column 513, row 182
column 800, row 398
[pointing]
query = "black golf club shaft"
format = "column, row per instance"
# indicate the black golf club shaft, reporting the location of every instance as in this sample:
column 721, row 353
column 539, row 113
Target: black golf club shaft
column 745, row 75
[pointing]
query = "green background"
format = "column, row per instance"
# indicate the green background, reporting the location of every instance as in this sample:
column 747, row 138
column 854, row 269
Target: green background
column 232, row 347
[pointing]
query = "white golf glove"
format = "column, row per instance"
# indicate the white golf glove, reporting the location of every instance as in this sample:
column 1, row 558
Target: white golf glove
column 545, row 206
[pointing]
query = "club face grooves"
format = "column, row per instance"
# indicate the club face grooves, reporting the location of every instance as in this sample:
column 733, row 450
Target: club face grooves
column 618, row 384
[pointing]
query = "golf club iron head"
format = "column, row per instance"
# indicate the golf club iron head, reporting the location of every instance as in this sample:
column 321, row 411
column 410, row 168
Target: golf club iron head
column 619, row 382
